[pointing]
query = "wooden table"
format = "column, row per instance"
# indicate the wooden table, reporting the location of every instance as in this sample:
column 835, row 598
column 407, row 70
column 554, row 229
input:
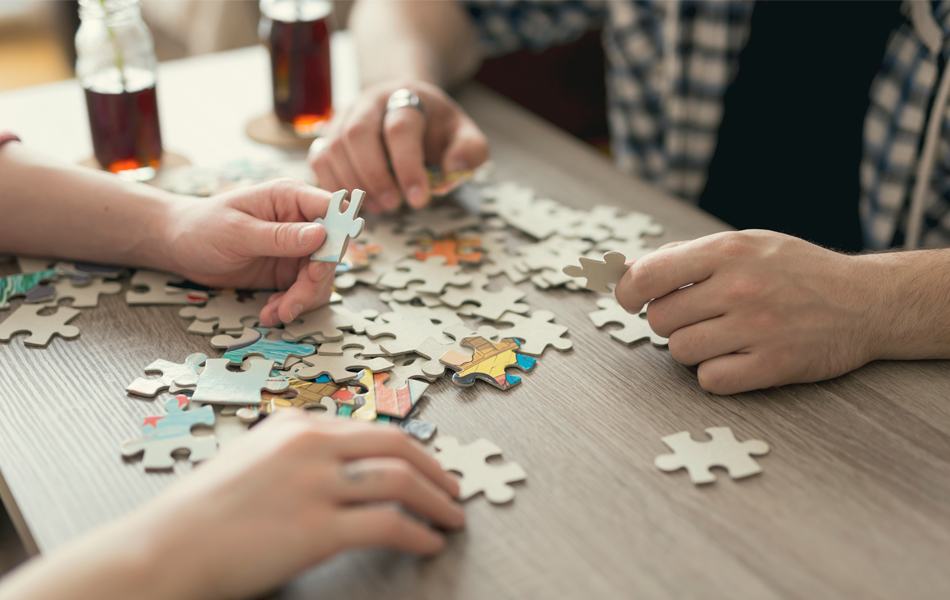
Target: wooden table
column 854, row 500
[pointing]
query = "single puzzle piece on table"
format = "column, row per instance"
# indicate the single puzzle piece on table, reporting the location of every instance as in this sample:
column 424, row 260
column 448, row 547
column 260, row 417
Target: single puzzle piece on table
column 340, row 226
column 410, row 294
column 156, row 289
column 218, row 385
column 477, row 475
column 539, row 218
column 593, row 225
column 434, row 274
column 488, row 363
column 600, row 273
column 499, row 260
column 723, row 451
column 439, row 221
column 536, row 332
column 635, row 326
column 338, row 367
column 354, row 340
column 182, row 375
column 26, row 319
column 20, row 284
column 229, row 342
column 379, row 399
column 439, row 315
column 549, row 257
column 305, row 395
column 275, row 350
column 634, row 225
column 476, row 301
column 364, row 406
column 87, row 295
column 327, row 324
column 456, row 248
column 162, row 436
column 423, row 337
column 227, row 310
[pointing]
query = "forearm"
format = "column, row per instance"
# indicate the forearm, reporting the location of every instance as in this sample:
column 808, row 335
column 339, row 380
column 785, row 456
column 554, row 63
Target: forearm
column 406, row 39
column 63, row 211
column 911, row 291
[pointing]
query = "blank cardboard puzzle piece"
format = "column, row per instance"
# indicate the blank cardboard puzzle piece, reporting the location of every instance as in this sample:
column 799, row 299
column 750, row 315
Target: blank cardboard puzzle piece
column 26, row 319
column 536, row 332
column 394, row 247
column 87, row 295
column 488, row 362
column 275, row 350
column 600, row 273
column 340, row 226
column 593, row 225
column 635, row 326
column 229, row 342
column 218, row 385
column 432, row 274
column 428, row 337
column 367, row 347
column 723, row 451
column 549, row 256
column 162, row 436
column 20, row 284
column 229, row 311
column 182, row 375
column 477, row 475
column 156, row 289
column 633, row 226
column 475, row 301
column 339, row 367
column 32, row 264
column 327, row 323
column 439, row 221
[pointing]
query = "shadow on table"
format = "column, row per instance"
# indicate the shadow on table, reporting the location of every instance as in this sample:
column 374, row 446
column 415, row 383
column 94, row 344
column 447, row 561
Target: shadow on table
column 12, row 551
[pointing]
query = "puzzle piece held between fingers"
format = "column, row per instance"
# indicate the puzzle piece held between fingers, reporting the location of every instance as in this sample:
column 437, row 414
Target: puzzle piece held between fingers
column 41, row 328
column 182, row 375
column 488, row 362
column 340, row 226
column 600, row 273
column 722, row 451
column 635, row 327
column 477, row 475
column 164, row 435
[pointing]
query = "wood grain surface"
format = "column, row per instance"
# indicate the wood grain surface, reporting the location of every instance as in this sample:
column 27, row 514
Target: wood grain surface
column 854, row 500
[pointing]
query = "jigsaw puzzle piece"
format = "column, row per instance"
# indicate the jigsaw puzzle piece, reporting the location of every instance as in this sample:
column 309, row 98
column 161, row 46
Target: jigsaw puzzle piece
column 156, row 289
column 488, row 362
column 164, row 435
column 338, row 367
column 229, row 310
column 20, row 284
column 477, row 475
column 635, row 326
column 600, row 273
column 432, row 274
column 340, row 226
column 327, row 324
column 86, row 295
column 42, row 328
column 723, row 451
column 219, row 385
column 180, row 374
column 229, row 342
column 277, row 350
column 536, row 332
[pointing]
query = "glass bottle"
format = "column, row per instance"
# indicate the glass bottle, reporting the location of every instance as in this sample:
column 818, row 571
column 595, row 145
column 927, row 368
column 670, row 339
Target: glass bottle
column 115, row 63
column 297, row 33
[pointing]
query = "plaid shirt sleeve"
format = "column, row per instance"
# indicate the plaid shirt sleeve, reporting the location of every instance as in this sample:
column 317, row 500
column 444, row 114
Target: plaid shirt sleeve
column 505, row 26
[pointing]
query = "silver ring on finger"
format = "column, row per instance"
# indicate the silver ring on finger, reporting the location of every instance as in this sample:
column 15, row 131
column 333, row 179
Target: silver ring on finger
column 405, row 98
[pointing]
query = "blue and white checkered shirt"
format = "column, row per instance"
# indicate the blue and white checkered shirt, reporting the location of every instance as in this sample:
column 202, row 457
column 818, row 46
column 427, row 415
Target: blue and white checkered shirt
column 668, row 67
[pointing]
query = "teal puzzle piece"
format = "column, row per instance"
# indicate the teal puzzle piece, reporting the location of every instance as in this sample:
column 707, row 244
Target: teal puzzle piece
column 164, row 435
column 20, row 284
column 275, row 350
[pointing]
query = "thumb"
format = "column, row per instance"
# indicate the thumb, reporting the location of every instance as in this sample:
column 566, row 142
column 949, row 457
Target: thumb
column 285, row 239
column 467, row 149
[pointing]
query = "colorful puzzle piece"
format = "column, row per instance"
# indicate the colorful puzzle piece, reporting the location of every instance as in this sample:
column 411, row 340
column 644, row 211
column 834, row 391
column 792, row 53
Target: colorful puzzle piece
column 477, row 475
column 181, row 374
column 723, row 451
column 454, row 247
column 276, row 350
column 26, row 319
column 20, row 284
column 379, row 399
column 164, row 435
column 218, row 385
column 488, row 362
column 340, row 226
column 302, row 394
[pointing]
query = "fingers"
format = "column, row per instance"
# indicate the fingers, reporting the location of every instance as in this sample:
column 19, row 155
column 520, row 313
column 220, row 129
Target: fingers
column 704, row 341
column 311, row 290
column 364, row 149
column 467, row 149
column 403, row 130
column 373, row 526
column 286, row 240
column 395, row 480
column 393, row 443
column 735, row 373
column 664, row 271
column 686, row 306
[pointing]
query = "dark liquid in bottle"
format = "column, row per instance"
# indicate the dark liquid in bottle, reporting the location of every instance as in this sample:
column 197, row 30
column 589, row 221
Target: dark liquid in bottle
column 125, row 131
column 300, row 67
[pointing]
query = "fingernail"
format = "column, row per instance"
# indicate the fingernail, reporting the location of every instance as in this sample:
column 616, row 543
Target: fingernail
column 389, row 200
column 305, row 235
column 416, row 196
column 294, row 311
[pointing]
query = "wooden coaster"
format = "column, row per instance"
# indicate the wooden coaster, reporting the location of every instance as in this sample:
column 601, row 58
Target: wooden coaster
column 170, row 160
column 267, row 129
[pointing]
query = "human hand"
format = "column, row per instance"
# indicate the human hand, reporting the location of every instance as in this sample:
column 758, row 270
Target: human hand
column 362, row 141
column 290, row 494
column 764, row 308
column 259, row 237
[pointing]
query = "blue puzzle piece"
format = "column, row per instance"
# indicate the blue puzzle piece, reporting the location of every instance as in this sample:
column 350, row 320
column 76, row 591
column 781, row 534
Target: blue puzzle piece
column 164, row 435
column 275, row 350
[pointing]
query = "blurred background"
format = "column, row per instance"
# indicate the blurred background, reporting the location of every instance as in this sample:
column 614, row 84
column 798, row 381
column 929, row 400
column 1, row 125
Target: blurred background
column 36, row 46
